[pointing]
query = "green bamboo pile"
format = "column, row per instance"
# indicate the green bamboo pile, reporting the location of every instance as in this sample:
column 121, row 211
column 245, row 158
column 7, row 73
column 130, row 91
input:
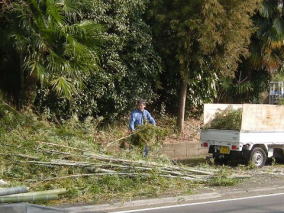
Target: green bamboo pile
column 55, row 164
column 227, row 119
column 87, row 163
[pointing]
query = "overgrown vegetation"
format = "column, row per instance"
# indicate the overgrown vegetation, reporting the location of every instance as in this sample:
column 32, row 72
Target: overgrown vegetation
column 227, row 119
column 43, row 155
column 27, row 139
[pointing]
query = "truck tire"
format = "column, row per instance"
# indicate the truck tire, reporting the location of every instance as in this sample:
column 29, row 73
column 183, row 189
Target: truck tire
column 258, row 157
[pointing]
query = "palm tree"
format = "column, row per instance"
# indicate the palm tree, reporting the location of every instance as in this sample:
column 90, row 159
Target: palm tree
column 53, row 42
column 267, row 49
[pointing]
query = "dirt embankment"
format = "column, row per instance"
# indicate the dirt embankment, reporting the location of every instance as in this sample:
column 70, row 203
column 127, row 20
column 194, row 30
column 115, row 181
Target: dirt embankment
column 191, row 133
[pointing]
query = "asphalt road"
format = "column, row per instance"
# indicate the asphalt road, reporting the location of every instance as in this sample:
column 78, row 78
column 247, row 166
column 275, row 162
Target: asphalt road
column 272, row 203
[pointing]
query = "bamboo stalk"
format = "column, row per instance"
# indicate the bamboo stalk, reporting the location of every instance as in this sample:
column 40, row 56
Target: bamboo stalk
column 60, row 153
column 172, row 170
column 28, row 198
column 58, row 163
column 114, row 173
column 112, row 159
column 101, row 168
column 47, row 192
column 146, row 163
column 94, row 167
column 13, row 190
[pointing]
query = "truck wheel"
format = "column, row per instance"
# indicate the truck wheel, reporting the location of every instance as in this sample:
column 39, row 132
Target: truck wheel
column 258, row 157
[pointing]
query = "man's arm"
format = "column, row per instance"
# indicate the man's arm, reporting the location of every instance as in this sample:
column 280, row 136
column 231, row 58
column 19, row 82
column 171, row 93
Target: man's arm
column 131, row 122
column 150, row 118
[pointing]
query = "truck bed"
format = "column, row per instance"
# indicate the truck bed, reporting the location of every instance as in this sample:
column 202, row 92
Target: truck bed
column 240, row 138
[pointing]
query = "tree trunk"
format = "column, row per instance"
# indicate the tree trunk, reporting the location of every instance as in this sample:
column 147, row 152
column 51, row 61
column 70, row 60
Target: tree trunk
column 181, row 109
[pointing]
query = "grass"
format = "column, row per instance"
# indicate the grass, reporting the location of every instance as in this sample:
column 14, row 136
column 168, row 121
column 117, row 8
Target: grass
column 223, row 181
column 223, row 177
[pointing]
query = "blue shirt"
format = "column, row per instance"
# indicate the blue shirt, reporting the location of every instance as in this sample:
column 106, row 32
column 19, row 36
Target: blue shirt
column 138, row 117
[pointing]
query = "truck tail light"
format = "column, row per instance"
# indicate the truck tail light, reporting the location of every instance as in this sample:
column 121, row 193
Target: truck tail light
column 234, row 147
column 204, row 144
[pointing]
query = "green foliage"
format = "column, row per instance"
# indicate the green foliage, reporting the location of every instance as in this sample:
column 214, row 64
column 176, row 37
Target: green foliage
column 205, row 40
column 278, row 76
column 245, row 87
column 265, row 60
column 148, row 135
column 51, row 45
column 227, row 119
column 267, row 46
column 129, row 66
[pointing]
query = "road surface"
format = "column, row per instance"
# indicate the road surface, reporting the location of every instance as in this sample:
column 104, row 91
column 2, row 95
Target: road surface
column 271, row 203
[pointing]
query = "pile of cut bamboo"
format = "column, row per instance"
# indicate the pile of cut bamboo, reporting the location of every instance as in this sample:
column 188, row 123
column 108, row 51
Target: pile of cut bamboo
column 81, row 163
column 21, row 194
column 101, row 165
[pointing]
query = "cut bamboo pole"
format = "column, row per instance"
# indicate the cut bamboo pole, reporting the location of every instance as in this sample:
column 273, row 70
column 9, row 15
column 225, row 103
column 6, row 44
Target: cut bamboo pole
column 118, row 160
column 97, row 168
column 118, row 174
column 47, row 192
column 60, row 163
column 146, row 163
column 13, row 190
column 28, row 198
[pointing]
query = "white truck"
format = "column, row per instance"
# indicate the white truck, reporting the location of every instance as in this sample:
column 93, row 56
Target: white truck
column 261, row 135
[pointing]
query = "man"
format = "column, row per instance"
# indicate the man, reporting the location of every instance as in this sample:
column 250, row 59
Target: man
column 140, row 116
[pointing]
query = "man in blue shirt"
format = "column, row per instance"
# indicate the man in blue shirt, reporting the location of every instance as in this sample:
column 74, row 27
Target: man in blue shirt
column 140, row 116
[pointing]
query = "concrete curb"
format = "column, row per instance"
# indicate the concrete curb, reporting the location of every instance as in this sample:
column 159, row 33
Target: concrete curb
column 140, row 203
column 170, row 200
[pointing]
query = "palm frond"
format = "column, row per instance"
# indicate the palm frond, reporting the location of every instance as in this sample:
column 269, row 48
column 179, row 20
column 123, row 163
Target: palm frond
column 63, row 87
column 278, row 25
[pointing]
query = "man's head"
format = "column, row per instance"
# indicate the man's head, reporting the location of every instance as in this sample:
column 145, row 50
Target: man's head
column 141, row 104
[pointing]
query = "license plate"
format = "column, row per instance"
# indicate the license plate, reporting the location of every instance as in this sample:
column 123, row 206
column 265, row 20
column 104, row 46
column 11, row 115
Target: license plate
column 224, row 150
